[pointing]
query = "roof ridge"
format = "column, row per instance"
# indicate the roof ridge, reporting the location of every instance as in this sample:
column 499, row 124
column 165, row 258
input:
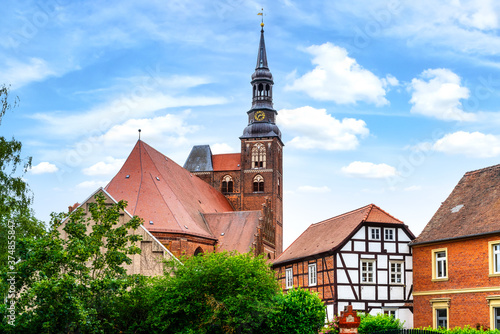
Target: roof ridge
column 376, row 206
column 226, row 154
column 343, row 214
column 481, row 170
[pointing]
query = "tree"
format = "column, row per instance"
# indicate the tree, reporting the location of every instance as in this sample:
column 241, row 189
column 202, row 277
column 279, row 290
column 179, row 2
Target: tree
column 16, row 217
column 298, row 311
column 215, row 293
column 69, row 285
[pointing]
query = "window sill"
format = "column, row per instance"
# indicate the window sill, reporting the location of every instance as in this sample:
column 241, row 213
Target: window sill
column 440, row 279
column 494, row 275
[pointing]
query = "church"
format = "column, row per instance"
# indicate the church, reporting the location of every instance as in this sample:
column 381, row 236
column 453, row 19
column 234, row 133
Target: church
column 215, row 202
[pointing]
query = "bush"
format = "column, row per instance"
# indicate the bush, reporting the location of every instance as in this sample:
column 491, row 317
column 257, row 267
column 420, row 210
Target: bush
column 299, row 311
column 380, row 322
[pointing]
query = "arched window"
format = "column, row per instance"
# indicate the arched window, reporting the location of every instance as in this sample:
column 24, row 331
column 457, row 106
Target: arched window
column 227, row 184
column 259, row 156
column 261, row 90
column 258, row 183
column 198, row 251
column 255, row 90
column 268, row 93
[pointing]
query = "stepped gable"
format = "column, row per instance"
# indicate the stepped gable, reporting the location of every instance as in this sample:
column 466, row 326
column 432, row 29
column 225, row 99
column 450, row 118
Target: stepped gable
column 226, row 162
column 160, row 191
column 234, row 230
column 472, row 208
column 329, row 234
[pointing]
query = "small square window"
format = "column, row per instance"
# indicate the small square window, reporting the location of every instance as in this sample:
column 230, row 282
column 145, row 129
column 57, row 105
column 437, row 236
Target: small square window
column 389, row 234
column 374, row 233
column 396, row 272
column 367, row 271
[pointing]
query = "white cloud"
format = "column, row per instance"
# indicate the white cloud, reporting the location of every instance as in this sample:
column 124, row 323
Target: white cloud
column 369, row 170
column 91, row 184
column 143, row 97
column 472, row 144
column 413, row 188
column 108, row 167
column 220, row 148
column 44, row 168
column 438, row 94
column 339, row 78
column 311, row 189
column 18, row 74
column 316, row 129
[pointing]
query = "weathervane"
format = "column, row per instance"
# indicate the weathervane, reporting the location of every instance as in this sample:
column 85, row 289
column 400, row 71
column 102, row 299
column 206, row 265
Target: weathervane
column 261, row 14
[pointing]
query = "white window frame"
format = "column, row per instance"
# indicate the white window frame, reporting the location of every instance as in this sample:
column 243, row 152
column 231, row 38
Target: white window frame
column 440, row 264
column 374, row 233
column 312, row 274
column 289, row 278
column 396, row 273
column 391, row 311
column 392, row 234
column 368, row 273
column 494, row 257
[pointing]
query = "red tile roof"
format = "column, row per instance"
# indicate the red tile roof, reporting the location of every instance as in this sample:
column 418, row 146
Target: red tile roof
column 234, row 230
column 159, row 190
column 331, row 233
column 226, row 162
column 472, row 208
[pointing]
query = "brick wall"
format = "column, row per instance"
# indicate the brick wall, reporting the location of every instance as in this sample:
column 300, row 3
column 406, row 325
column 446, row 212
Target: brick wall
column 468, row 268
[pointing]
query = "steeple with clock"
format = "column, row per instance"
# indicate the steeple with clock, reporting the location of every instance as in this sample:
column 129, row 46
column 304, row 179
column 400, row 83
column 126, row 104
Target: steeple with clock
column 262, row 154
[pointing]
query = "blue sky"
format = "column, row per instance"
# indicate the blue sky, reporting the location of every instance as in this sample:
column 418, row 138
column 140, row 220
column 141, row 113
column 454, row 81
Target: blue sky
column 384, row 102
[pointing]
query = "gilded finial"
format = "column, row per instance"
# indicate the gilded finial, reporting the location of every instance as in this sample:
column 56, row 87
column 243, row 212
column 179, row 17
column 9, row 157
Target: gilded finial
column 262, row 14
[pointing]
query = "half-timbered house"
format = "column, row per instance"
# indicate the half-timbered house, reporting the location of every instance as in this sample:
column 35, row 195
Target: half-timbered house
column 360, row 258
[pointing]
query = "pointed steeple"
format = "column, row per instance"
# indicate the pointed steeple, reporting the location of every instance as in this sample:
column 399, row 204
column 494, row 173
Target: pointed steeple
column 262, row 116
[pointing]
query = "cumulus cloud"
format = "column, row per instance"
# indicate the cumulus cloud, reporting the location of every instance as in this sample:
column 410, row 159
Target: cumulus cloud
column 311, row 189
column 437, row 93
column 44, row 168
column 471, row 144
column 369, row 170
column 220, row 148
column 338, row 77
column 109, row 166
column 316, row 129
column 18, row 74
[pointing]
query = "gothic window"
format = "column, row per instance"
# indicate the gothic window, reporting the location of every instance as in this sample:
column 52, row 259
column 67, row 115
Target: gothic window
column 258, row 183
column 198, row 251
column 227, row 184
column 259, row 156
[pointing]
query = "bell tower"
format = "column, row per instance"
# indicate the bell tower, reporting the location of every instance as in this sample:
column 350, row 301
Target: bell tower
column 262, row 154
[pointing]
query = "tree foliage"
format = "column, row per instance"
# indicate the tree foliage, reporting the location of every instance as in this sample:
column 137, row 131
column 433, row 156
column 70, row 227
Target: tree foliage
column 380, row 322
column 299, row 311
column 16, row 215
column 69, row 285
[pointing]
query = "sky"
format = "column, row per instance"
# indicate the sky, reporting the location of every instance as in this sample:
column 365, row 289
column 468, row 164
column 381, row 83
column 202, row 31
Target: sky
column 383, row 102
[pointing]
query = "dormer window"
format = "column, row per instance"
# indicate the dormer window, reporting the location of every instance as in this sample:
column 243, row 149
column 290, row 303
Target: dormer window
column 227, row 184
column 259, row 156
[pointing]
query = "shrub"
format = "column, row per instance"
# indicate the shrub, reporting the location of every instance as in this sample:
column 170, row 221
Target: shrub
column 380, row 322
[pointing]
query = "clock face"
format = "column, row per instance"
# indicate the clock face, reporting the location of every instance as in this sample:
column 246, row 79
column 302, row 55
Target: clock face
column 260, row 115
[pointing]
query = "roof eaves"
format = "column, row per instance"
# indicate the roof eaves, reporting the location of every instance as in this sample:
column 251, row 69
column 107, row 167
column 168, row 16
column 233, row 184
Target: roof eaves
column 453, row 238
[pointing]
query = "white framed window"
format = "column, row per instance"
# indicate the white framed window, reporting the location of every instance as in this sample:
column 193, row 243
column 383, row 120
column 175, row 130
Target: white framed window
column 367, row 271
column 313, row 274
column 289, row 278
column 374, row 233
column 440, row 264
column 391, row 311
column 389, row 234
column 396, row 272
column 494, row 257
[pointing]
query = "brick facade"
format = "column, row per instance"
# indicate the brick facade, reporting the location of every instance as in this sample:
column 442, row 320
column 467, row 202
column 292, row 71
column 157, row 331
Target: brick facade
column 467, row 279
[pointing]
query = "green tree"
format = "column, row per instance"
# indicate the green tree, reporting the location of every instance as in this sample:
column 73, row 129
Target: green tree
column 69, row 285
column 215, row 293
column 380, row 322
column 16, row 217
column 298, row 311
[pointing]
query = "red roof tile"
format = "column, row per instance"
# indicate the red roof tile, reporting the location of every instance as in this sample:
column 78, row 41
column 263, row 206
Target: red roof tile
column 159, row 190
column 472, row 208
column 226, row 162
column 331, row 233
column 234, row 230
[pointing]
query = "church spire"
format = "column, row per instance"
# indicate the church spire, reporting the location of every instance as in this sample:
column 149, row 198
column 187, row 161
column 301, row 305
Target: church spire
column 261, row 56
